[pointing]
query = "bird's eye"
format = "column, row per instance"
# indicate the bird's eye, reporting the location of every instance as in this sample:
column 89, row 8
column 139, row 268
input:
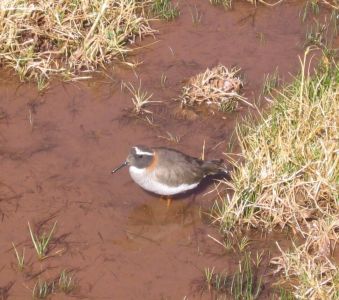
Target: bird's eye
column 140, row 156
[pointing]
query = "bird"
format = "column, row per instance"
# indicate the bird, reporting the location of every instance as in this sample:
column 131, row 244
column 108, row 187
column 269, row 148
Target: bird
column 167, row 172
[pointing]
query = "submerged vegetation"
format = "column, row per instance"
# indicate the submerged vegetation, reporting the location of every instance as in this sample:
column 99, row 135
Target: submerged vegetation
column 289, row 179
column 43, row 289
column 244, row 283
column 64, row 282
column 226, row 3
column 164, row 9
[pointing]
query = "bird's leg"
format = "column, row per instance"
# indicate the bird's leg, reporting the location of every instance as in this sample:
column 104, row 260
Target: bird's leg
column 169, row 201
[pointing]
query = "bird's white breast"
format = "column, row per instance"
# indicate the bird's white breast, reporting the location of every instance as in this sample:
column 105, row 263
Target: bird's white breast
column 149, row 182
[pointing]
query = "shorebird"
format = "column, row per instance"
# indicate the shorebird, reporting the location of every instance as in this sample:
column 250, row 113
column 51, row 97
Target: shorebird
column 166, row 171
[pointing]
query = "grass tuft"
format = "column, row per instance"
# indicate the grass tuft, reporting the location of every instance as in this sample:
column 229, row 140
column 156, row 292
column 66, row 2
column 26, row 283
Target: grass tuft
column 164, row 9
column 228, row 3
column 243, row 284
column 271, row 82
column 225, row 3
column 311, row 6
column 20, row 258
column 140, row 98
column 208, row 275
column 217, row 87
column 42, row 289
column 66, row 282
column 196, row 15
column 170, row 137
column 41, row 242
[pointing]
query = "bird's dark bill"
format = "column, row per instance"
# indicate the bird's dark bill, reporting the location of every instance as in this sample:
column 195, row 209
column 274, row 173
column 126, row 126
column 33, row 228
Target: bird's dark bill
column 120, row 167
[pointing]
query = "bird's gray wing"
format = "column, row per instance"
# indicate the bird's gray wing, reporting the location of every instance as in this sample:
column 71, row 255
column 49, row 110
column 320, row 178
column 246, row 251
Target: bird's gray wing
column 177, row 168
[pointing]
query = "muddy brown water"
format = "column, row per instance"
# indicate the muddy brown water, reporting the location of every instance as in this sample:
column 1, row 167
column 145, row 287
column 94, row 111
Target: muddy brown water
column 57, row 150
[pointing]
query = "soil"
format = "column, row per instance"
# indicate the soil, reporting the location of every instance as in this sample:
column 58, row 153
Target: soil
column 57, row 150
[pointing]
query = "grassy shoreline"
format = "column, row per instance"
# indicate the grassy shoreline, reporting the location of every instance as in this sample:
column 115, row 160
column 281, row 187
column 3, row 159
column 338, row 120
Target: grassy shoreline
column 44, row 38
column 289, row 179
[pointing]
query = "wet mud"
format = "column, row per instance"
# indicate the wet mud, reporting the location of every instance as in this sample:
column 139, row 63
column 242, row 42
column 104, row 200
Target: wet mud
column 57, row 150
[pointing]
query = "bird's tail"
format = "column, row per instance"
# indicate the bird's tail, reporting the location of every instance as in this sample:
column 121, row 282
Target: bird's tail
column 213, row 167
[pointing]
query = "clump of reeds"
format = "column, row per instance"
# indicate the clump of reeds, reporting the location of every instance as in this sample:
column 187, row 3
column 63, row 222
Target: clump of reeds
column 289, row 178
column 46, row 37
column 218, row 87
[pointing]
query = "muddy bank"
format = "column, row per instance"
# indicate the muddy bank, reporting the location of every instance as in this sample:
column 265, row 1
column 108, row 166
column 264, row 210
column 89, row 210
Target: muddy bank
column 57, row 150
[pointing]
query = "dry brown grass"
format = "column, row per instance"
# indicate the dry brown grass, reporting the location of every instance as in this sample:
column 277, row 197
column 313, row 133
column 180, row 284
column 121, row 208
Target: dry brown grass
column 140, row 98
column 218, row 87
column 46, row 37
column 333, row 4
column 291, row 171
column 311, row 276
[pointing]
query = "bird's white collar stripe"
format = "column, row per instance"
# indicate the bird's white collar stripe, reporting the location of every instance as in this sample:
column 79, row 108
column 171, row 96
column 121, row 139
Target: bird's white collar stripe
column 140, row 152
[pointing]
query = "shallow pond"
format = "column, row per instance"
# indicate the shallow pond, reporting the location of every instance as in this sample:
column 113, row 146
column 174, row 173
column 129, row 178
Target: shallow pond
column 57, row 150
